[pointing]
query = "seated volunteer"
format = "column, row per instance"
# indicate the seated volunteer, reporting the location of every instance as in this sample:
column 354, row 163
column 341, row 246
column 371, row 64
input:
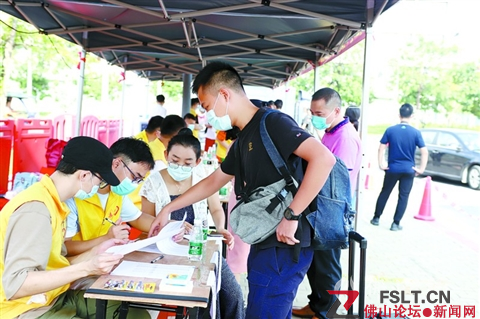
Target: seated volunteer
column 276, row 266
column 150, row 135
column 170, row 127
column 89, row 222
column 183, row 156
column 34, row 271
column 192, row 123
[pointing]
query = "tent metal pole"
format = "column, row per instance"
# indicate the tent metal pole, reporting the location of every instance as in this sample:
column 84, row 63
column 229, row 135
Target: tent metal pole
column 81, row 80
column 187, row 79
column 124, row 85
column 367, row 67
column 315, row 72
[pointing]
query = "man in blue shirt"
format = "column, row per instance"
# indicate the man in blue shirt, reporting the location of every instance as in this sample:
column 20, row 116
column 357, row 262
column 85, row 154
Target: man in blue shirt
column 402, row 140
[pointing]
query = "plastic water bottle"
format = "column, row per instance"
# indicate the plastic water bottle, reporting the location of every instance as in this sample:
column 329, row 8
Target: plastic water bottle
column 202, row 215
column 195, row 248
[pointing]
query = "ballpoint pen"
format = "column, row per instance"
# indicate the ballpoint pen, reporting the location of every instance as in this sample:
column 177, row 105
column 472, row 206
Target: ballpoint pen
column 156, row 259
column 110, row 221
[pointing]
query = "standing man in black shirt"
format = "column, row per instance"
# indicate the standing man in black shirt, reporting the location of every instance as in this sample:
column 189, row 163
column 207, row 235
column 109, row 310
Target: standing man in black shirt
column 274, row 271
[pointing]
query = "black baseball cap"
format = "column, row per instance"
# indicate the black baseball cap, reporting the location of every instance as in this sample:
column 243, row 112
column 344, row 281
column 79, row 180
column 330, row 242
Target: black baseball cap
column 87, row 153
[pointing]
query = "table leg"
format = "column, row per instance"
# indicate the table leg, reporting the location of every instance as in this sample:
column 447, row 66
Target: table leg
column 180, row 313
column 123, row 310
column 225, row 211
column 193, row 313
column 101, row 309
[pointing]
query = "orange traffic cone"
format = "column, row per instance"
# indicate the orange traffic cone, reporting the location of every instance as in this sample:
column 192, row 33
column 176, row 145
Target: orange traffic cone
column 425, row 212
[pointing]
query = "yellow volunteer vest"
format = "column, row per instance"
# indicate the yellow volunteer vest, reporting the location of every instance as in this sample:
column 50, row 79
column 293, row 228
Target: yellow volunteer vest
column 91, row 216
column 45, row 192
column 156, row 147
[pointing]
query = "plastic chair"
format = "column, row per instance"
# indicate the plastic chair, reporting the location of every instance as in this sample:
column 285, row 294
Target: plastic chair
column 7, row 129
column 63, row 127
column 103, row 132
column 89, row 126
column 113, row 131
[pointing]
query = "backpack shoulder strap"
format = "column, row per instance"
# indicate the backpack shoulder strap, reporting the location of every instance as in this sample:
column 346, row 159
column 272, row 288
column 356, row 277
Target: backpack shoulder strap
column 273, row 152
column 239, row 182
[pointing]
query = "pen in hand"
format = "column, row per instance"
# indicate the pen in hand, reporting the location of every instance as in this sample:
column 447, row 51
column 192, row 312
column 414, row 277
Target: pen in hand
column 156, row 259
column 110, row 221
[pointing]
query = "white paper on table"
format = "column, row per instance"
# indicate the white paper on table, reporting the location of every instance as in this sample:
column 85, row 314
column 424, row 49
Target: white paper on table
column 166, row 234
column 148, row 270
column 150, row 249
column 169, row 247
column 166, row 247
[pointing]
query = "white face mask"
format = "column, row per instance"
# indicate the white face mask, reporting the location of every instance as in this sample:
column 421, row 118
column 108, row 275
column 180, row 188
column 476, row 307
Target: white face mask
column 178, row 172
column 82, row 195
column 223, row 123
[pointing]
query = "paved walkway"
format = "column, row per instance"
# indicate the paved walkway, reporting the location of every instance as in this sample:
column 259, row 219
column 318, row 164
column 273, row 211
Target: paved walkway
column 442, row 255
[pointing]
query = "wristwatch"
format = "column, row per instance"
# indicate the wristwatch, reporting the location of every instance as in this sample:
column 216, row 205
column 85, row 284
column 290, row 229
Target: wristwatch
column 289, row 215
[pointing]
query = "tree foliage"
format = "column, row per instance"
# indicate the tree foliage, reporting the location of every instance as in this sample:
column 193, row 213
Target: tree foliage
column 465, row 88
column 428, row 76
column 52, row 63
column 343, row 74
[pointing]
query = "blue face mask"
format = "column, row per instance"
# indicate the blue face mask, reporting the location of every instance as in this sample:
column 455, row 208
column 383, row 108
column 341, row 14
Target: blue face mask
column 178, row 173
column 320, row 123
column 82, row 195
column 223, row 123
column 125, row 187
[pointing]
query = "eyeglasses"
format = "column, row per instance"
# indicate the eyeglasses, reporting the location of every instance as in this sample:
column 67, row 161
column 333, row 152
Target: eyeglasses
column 136, row 179
column 103, row 183
column 182, row 167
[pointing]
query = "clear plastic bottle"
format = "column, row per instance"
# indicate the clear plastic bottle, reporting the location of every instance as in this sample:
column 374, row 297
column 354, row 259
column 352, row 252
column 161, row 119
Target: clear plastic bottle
column 195, row 248
column 201, row 214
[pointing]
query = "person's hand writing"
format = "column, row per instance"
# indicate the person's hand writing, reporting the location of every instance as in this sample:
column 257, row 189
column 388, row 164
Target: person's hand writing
column 119, row 230
column 286, row 232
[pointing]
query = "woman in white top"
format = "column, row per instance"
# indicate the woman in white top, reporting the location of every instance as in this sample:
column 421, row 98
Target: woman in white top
column 182, row 172
column 161, row 187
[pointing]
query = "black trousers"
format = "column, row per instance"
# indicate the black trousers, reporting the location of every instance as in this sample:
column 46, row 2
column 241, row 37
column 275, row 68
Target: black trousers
column 324, row 273
column 404, row 187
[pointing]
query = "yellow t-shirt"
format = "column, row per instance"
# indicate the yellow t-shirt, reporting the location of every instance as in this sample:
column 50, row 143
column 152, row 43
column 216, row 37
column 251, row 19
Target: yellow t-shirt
column 156, row 146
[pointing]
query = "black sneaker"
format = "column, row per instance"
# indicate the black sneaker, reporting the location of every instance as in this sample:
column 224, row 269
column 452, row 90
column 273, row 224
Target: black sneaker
column 395, row 227
column 375, row 221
